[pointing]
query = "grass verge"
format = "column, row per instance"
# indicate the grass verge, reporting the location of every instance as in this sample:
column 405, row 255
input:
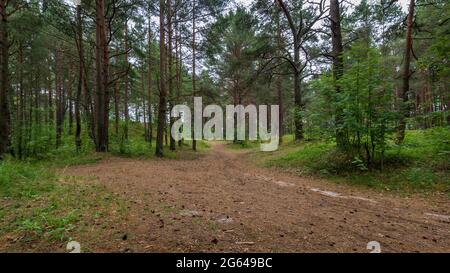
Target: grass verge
column 421, row 164
column 42, row 211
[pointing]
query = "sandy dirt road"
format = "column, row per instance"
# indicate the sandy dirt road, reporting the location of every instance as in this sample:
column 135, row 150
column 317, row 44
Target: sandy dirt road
column 222, row 203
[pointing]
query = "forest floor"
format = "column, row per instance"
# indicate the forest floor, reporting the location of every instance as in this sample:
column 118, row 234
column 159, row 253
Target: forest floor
column 222, row 201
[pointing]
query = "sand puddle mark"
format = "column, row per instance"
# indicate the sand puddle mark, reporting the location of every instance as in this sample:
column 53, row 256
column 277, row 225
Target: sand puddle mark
column 439, row 216
column 338, row 195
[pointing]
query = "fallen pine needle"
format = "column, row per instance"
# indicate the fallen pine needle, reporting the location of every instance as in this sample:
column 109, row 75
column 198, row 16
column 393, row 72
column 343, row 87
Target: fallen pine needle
column 245, row 243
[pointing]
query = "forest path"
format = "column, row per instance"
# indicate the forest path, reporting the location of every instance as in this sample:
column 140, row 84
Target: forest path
column 221, row 202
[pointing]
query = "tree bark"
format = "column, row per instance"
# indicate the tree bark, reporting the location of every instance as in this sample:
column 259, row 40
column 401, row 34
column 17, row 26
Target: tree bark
column 194, row 80
column 170, row 61
column 80, row 79
column 51, row 113
column 89, row 106
column 5, row 119
column 298, row 100
column 144, row 105
column 150, row 82
column 59, row 97
column 179, row 66
column 296, row 67
column 338, row 68
column 404, row 108
column 102, row 67
column 116, row 110
column 69, row 102
column 279, row 82
column 162, row 83
column 21, row 104
column 126, row 95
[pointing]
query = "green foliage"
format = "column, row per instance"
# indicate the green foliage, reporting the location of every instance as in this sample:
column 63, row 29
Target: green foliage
column 131, row 148
column 366, row 101
column 42, row 206
column 244, row 145
column 421, row 164
column 135, row 146
column 310, row 158
column 44, row 222
column 368, row 116
column 233, row 50
column 319, row 114
column 433, row 21
column 23, row 180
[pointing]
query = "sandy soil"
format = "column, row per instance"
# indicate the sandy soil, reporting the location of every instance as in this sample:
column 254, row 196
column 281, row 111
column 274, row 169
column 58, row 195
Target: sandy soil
column 221, row 202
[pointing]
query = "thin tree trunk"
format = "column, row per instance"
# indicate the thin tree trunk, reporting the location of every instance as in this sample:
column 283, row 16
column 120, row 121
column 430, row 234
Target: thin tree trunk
column 404, row 108
column 150, row 81
column 338, row 67
column 70, row 104
column 170, row 61
column 279, row 83
column 179, row 67
column 89, row 106
column 116, row 109
column 162, row 84
column 51, row 113
column 80, row 80
column 126, row 95
column 59, row 97
column 137, row 112
column 144, row 106
column 21, row 104
column 298, row 101
column 37, row 103
column 194, row 83
column 5, row 118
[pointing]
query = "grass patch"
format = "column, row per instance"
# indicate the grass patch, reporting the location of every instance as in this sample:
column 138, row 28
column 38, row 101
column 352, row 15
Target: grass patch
column 137, row 146
column 24, row 180
column 243, row 145
column 39, row 210
column 421, row 164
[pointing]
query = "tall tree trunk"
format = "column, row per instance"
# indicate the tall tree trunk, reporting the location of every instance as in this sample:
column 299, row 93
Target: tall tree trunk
column 170, row 61
column 404, row 108
column 80, row 79
column 69, row 100
column 296, row 67
column 150, row 82
column 102, row 67
column 279, row 83
column 162, row 83
column 126, row 95
column 37, row 97
column 5, row 119
column 137, row 113
column 338, row 67
column 298, row 100
column 179, row 66
column 51, row 113
column 59, row 97
column 144, row 106
column 89, row 107
column 194, row 80
column 116, row 110
column 21, row 104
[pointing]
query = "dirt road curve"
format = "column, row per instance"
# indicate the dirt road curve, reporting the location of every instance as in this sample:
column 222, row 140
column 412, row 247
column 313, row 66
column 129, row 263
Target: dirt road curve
column 222, row 203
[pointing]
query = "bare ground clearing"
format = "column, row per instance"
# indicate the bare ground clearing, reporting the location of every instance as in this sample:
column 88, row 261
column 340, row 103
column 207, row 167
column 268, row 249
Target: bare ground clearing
column 223, row 203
